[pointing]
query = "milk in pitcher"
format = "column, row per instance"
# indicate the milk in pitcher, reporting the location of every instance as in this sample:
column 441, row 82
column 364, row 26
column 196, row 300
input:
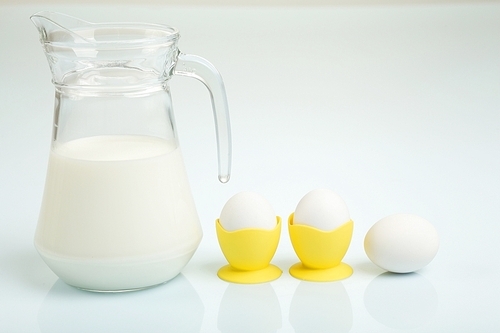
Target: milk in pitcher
column 115, row 209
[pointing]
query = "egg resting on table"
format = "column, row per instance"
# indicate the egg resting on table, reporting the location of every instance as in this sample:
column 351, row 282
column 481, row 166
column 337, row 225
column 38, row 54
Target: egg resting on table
column 321, row 209
column 401, row 243
column 247, row 210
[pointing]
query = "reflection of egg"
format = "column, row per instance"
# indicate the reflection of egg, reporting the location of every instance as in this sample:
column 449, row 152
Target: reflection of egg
column 247, row 210
column 401, row 243
column 322, row 209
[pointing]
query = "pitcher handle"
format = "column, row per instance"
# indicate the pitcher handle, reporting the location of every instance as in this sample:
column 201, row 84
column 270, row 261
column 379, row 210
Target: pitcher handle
column 201, row 69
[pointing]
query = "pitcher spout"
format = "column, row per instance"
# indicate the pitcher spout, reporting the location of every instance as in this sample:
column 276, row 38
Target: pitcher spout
column 56, row 27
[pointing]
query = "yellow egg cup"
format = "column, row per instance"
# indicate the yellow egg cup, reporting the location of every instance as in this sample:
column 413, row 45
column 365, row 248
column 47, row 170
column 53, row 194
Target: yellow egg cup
column 320, row 252
column 249, row 253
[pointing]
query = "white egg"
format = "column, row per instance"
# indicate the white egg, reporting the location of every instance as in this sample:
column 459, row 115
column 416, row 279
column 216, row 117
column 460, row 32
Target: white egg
column 322, row 209
column 401, row 243
column 247, row 210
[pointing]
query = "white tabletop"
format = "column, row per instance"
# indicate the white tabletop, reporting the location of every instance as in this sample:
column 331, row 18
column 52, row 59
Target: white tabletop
column 395, row 108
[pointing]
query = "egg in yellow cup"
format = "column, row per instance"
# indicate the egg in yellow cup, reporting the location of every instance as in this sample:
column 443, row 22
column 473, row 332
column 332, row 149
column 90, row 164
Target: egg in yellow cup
column 249, row 252
column 320, row 252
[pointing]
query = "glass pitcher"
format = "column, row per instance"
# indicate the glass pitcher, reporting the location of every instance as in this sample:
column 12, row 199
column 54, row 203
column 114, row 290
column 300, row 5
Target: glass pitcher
column 117, row 212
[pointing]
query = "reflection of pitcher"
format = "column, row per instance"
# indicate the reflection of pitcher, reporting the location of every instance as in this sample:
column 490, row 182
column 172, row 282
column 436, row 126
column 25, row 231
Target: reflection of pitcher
column 117, row 211
column 67, row 309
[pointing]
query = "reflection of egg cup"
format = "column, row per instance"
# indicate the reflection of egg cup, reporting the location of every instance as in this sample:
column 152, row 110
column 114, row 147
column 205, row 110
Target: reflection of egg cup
column 249, row 252
column 320, row 252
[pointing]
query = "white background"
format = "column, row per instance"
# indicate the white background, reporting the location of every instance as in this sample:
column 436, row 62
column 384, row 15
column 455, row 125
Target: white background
column 394, row 107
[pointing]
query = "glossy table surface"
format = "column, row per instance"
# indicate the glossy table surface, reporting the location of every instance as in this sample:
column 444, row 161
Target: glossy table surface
column 394, row 107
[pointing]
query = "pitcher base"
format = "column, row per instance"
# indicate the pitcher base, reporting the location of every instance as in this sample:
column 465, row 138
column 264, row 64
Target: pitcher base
column 119, row 275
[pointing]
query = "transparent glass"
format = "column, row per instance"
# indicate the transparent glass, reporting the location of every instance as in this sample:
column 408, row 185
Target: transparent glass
column 117, row 212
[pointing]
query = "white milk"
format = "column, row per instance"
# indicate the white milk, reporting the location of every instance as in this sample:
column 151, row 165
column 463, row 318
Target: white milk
column 117, row 213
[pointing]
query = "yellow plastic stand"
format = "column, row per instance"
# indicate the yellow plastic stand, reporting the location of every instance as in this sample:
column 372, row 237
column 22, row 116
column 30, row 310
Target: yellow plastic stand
column 320, row 252
column 249, row 253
